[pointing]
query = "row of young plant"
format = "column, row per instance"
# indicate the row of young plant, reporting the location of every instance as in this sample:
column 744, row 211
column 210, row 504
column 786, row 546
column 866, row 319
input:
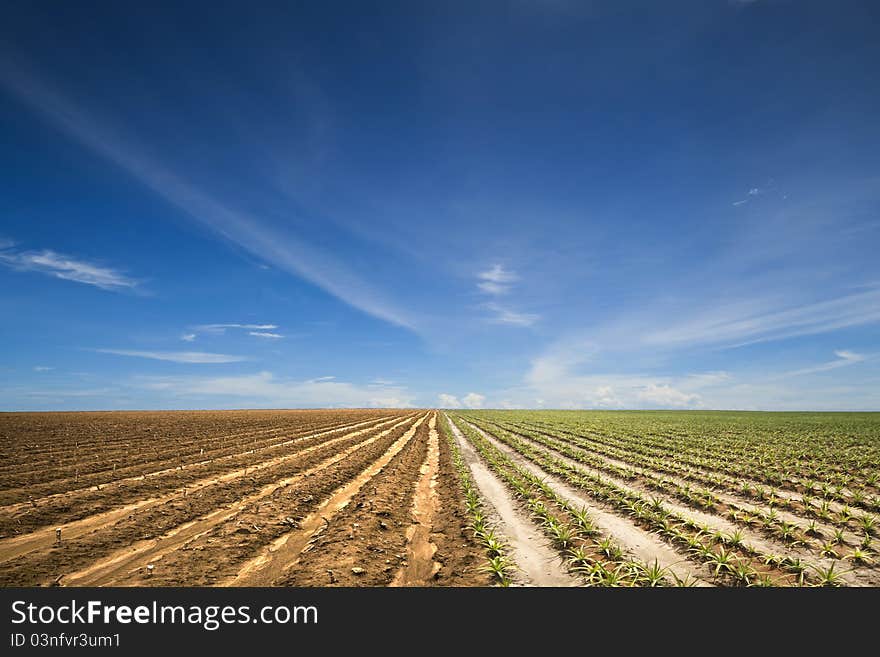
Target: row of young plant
column 705, row 499
column 697, row 498
column 495, row 545
column 717, row 474
column 754, row 459
column 598, row 560
column 843, row 518
column 775, row 467
column 731, row 560
column 828, row 446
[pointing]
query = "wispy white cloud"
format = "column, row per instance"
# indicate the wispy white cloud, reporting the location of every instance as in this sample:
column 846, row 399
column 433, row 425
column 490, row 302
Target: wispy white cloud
column 569, row 374
column 473, row 400
column 43, row 368
column 664, row 395
column 470, row 400
column 742, row 325
column 605, row 397
column 560, row 378
column 267, row 390
column 504, row 315
column 496, row 280
column 255, row 330
column 68, row 268
column 220, row 328
column 493, row 288
column 844, row 359
column 275, row 245
column 498, row 274
column 199, row 357
column 445, row 400
column 706, row 379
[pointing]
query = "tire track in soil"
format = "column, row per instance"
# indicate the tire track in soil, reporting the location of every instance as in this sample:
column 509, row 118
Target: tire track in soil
column 65, row 495
column 537, row 564
column 863, row 577
column 284, row 552
column 118, row 564
column 420, row 566
column 631, row 538
column 11, row 548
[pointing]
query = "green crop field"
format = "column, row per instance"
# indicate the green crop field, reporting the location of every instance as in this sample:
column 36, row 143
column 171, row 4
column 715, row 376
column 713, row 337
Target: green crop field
column 706, row 498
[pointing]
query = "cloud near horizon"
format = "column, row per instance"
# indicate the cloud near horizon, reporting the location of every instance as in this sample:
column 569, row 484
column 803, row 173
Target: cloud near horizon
column 470, row 400
column 264, row 389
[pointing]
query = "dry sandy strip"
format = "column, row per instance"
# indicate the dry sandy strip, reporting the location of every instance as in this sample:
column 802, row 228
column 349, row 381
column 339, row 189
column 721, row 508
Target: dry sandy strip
column 641, row 544
column 283, row 553
column 10, row 508
column 857, row 577
column 11, row 548
column 420, row 566
column 119, row 564
column 537, row 563
column 726, row 496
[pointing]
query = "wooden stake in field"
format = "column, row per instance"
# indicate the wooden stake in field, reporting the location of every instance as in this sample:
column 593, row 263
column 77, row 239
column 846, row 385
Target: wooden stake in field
column 58, row 534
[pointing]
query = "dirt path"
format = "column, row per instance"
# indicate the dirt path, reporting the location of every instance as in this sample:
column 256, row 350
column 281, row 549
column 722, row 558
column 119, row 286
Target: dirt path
column 420, row 549
column 537, row 563
column 11, row 548
column 119, row 564
column 639, row 543
column 284, row 552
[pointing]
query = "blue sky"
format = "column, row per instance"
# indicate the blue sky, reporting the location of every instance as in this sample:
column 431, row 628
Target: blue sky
column 496, row 204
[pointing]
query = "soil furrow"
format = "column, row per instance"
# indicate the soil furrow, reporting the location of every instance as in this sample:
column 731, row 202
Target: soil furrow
column 118, row 565
column 18, row 545
column 537, row 563
column 283, row 553
column 715, row 522
column 96, row 462
column 725, row 496
column 176, row 470
column 643, row 545
column 420, row 566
